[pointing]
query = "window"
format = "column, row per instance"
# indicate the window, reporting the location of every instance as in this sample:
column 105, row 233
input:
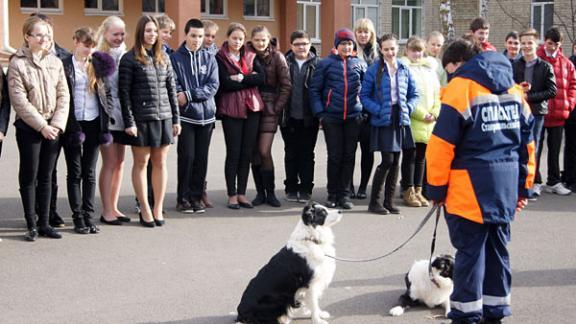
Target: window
column 213, row 8
column 406, row 18
column 153, row 6
column 366, row 9
column 102, row 7
column 542, row 15
column 258, row 8
column 308, row 18
column 50, row 6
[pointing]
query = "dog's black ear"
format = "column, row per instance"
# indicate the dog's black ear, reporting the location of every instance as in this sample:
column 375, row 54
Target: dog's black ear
column 308, row 213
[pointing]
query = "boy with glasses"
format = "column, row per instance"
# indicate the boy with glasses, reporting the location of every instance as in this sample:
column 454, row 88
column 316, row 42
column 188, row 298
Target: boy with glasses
column 299, row 128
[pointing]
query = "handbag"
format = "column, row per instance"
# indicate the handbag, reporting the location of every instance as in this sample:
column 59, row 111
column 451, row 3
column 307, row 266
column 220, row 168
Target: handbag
column 253, row 100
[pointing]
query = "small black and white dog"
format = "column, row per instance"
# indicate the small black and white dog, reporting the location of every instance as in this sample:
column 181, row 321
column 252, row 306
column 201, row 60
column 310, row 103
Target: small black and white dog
column 293, row 281
column 421, row 289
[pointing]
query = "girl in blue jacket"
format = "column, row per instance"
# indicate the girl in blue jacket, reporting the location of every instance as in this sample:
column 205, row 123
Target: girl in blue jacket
column 389, row 94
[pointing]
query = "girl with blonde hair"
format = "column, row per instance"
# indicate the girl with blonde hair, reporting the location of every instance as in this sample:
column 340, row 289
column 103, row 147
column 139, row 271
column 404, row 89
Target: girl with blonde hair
column 422, row 121
column 367, row 50
column 110, row 39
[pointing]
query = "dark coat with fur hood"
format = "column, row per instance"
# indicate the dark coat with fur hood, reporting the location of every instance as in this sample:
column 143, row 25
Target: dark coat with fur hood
column 104, row 66
column 276, row 91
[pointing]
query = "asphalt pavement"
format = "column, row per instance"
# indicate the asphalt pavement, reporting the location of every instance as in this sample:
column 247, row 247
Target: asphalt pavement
column 195, row 268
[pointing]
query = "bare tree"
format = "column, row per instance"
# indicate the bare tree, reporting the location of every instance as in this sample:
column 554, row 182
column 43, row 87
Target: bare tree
column 508, row 12
column 567, row 20
column 484, row 8
column 446, row 19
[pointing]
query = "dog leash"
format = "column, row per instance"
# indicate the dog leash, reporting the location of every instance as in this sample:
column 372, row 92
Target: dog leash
column 433, row 247
column 434, row 209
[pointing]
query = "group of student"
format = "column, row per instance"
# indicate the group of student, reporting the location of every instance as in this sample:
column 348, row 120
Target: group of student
column 103, row 97
column 475, row 140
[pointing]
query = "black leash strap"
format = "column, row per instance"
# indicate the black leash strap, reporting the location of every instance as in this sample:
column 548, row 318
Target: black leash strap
column 433, row 245
column 435, row 208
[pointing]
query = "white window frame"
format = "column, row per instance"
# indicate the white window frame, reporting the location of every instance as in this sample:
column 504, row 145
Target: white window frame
column 99, row 12
column 38, row 8
column 365, row 7
column 255, row 17
column 533, row 4
column 411, row 8
column 224, row 14
column 157, row 6
column 311, row 3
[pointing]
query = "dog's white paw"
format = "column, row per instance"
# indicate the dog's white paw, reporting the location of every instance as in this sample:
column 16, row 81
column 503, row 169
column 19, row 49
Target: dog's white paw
column 396, row 311
column 284, row 319
column 324, row 315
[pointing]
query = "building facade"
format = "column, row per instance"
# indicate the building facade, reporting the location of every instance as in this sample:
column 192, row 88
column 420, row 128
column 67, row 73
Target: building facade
column 319, row 17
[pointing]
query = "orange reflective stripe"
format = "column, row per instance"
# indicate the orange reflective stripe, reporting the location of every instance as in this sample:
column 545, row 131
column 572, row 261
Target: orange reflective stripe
column 439, row 156
column 461, row 199
column 460, row 94
column 531, row 147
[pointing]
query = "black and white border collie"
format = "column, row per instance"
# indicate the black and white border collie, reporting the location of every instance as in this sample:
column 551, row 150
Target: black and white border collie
column 293, row 281
column 421, row 289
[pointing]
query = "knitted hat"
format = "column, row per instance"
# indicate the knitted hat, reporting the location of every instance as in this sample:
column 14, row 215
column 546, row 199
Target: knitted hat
column 344, row 34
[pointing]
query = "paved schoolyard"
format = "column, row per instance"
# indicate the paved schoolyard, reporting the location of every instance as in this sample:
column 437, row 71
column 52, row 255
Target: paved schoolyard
column 195, row 268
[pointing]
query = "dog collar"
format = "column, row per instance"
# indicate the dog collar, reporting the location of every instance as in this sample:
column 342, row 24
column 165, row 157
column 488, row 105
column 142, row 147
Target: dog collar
column 435, row 282
column 313, row 240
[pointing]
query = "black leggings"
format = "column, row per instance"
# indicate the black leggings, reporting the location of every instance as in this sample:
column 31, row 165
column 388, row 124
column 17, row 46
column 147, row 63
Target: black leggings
column 37, row 159
column 240, row 136
column 413, row 165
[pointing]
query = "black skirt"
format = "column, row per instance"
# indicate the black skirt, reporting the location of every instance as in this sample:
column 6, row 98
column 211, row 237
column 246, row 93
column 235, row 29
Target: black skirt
column 393, row 138
column 152, row 133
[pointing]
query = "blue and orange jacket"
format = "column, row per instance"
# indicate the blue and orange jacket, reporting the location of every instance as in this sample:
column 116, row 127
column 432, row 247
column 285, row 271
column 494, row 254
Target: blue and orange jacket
column 335, row 86
column 480, row 157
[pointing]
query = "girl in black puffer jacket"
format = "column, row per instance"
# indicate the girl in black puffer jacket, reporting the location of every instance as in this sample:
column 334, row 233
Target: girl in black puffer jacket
column 150, row 111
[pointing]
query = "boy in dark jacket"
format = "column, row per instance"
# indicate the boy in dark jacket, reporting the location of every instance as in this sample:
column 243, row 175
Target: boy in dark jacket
column 197, row 83
column 299, row 128
column 536, row 77
column 334, row 98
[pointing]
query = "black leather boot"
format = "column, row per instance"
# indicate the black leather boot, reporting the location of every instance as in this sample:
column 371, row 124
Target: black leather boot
column 389, row 189
column 269, row 186
column 377, row 187
column 260, row 192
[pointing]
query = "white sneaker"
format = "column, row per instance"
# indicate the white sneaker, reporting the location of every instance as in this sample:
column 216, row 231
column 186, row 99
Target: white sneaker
column 537, row 189
column 558, row 189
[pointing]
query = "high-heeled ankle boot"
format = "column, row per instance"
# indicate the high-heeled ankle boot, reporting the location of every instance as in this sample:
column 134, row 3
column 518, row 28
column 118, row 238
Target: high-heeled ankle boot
column 260, row 191
column 269, row 186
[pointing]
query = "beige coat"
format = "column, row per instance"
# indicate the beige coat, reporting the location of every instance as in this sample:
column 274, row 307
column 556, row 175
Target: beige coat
column 38, row 89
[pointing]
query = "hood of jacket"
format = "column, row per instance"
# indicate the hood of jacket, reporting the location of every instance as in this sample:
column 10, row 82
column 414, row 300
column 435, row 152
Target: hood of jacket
column 104, row 64
column 541, row 52
column 491, row 69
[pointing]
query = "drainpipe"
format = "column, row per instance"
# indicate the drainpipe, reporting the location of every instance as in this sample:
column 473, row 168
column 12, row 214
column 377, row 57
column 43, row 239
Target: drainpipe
column 5, row 29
